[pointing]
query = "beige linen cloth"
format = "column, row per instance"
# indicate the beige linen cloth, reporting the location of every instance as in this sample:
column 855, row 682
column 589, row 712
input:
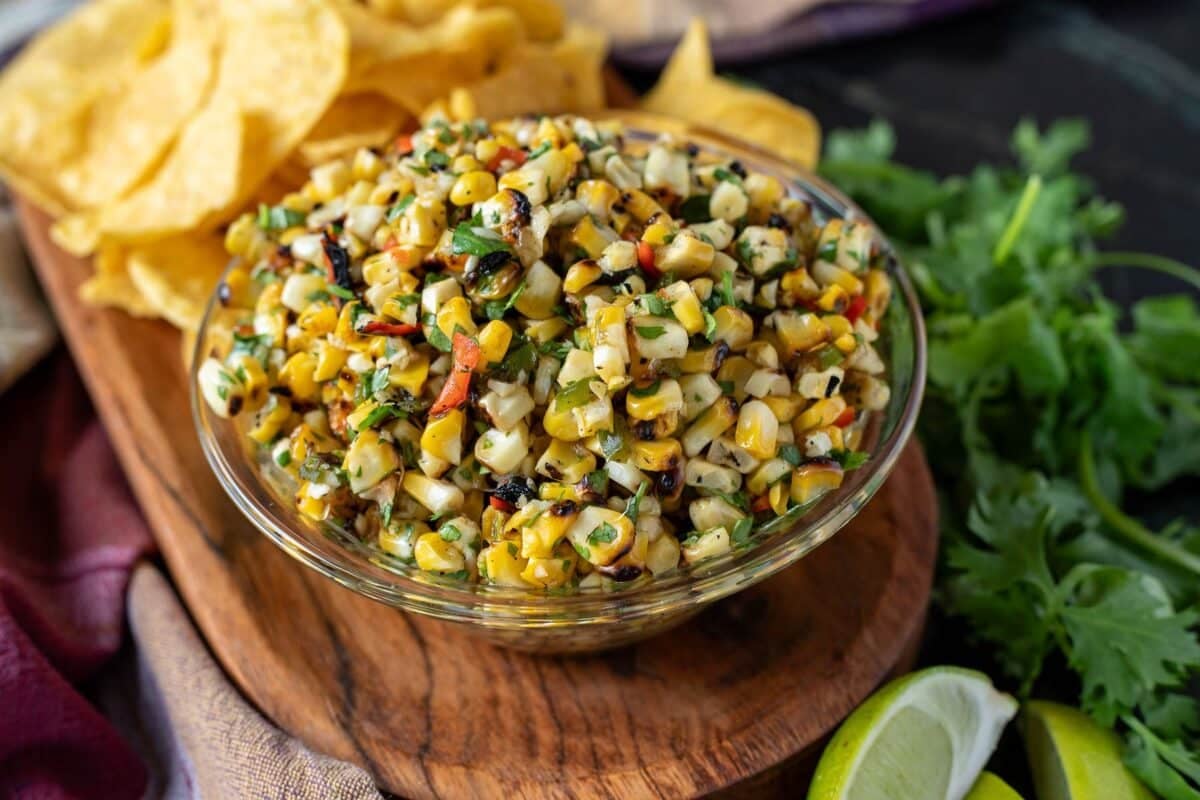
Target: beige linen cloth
column 198, row 736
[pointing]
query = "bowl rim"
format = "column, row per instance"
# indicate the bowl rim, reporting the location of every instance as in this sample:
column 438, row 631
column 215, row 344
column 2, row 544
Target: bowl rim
column 495, row 607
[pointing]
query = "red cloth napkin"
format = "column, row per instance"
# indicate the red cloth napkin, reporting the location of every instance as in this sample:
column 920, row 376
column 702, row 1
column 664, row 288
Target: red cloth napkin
column 72, row 535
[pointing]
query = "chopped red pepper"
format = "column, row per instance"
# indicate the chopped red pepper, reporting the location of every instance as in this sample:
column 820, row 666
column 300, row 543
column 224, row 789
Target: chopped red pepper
column 501, row 504
column 389, row 328
column 465, row 352
column 761, row 503
column 507, row 154
column 645, row 254
column 403, row 144
column 845, row 418
column 856, row 308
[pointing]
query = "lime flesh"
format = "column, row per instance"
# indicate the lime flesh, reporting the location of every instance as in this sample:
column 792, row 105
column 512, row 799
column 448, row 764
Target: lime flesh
column 1073, row 758
column 925, row 736
column 989, row 787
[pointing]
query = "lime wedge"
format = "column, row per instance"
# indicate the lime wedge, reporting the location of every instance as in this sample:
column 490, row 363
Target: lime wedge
column 989, row 787
column 1073, row 758
column 925, row 736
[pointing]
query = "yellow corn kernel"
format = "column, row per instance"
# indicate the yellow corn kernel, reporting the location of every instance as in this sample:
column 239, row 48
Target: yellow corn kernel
column 666, row 399
column 798, row 285
column 380, row 268
column 734, row 327
column 359, row 415
column 838, row 325
column 703, row 360
column 455, row 313
column 586, row 235
column 503, row 564
column 298, row 375
column 764, row 192
column 846, row 343
column 561, row 424
column 598, row 197
column 656, row 233
column 473, row 187
column 309, row 506
column 344, row 329
column 435, row 554
column 657, row 456
column 241, row 236
column 767, row 475
column 549, row 572
column 237, row 288
column 799, row 333
column 834, row 298
column 785, row 409
column 737, row 370
column 581, row 275
column 330, row 180
column 757, row 429
column 442, row 437
column 878, row 293
column 714, row 421
column 565, row 462
column 573, row 153
column 778, row 498
column 685, row 306
column 686, row 256
column 486, row 150
column 270, row 298
column 270, row 419
column 369, row 460
column 640, row 205
column 541, row 533
column 318, row 319
column 412, row 377
column 545, row 330
column 836, row 436
column 304, row 442
column 493, row 342
column 423, row 222
column 465, row 163
column 811, row 480
column 557, row 492
column 819, row 414
column 253, row 379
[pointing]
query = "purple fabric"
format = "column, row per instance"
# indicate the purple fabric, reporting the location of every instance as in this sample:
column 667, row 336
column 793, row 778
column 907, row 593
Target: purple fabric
column 823, row 25
column 72, row 536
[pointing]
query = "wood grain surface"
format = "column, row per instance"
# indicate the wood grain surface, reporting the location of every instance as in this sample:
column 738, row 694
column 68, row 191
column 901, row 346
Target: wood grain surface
column 734, row 701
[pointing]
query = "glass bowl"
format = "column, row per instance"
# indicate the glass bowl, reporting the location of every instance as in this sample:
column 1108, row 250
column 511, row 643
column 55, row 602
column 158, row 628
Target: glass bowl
column 549, row 622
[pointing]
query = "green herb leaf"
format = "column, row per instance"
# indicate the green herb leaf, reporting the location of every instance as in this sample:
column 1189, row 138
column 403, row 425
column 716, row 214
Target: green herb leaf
column 602, row 535
column 650, row 331
column 278, row 218
column 397, row 211
column 475, row 240
column 573, row 395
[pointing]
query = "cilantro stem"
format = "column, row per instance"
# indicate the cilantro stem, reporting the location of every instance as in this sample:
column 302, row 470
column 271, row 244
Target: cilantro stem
column 1029, row 196
column 1167, row 266
column 1127, row 527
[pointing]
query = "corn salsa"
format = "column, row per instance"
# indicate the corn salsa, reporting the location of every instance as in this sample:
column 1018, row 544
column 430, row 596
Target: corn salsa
column 537, row 354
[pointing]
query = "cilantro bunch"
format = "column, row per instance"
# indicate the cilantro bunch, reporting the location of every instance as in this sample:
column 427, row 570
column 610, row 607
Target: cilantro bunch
column 1044, row 409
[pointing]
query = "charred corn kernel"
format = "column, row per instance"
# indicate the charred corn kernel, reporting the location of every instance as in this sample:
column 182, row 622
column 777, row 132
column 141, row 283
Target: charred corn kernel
column 658, row 456
column 785, row 409
column 581, row 275
column 473, row 187
column 437, row 496
column 819, row 414
column 734, row 327
column 220, row 388
column 269, row 419
column 798, row 332
column 369, row 460
column 811, row 480
column 834, row 298
column 846, row 343
column 598, row 197
column 757, row 429
column 764, row 192
column 828, row 275
column 685, row 306
column 657, row 233
column 455, row 314
column 586, row 235
column 838, row 325
column 304, row 441
column 878, row 292
column 502, row 564
column 545, row 330
column 717, row 419
column 253, row 379
column 557, row 492
column 298, row 375
column 777, row 496
column 548, row 572
column 435, row 554
column 318, row 319
column 703, row 360
column 541, row 532
column 380, row 268
column 667, row 398
column 442, row 437
column 640, row 204
column 493, row 342
column 492, row 523
column 798, row 285
column 565, row 462
column 312, row 507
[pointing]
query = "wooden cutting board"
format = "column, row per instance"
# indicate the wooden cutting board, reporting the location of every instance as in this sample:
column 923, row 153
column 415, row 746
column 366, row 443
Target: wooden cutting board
column 736, row 701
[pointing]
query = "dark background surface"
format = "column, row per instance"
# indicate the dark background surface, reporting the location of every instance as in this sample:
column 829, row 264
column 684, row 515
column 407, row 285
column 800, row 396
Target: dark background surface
column 955, row 89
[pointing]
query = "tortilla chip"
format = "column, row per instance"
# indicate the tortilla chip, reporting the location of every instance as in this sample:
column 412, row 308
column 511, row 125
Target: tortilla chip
column 689, row 90
column 48, row 91
column 569, row 79
column 353, row 121
column 177, row 276
column 132, row 125
column 110, row 285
